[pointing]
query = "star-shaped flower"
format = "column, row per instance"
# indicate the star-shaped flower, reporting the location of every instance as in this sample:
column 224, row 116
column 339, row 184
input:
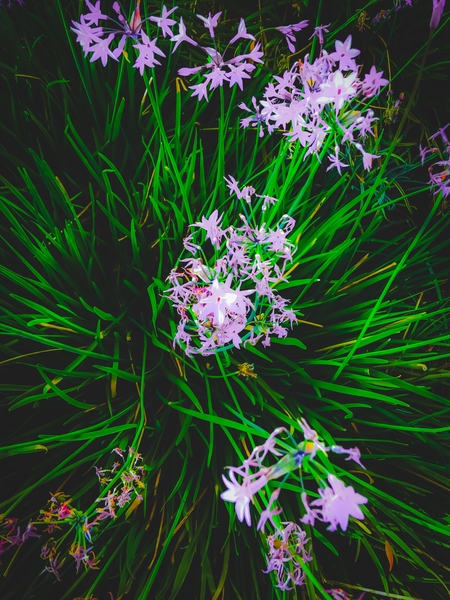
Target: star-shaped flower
column 338, row 503
column 345, row 54
column 242, row 494
column 219, row 298
column 163, row 22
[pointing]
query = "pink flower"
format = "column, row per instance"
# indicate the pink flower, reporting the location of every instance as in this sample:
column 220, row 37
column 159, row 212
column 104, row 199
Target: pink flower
column 95, row 13
column 318, row 31
column 338, row 89
column 373, row 82
column 288, row 32
column 345, row 54
column 212, row 227
column 163, row 22
column 242, row 494
column 338, row 503
column 335, row 162
column 242, row 33
column 268, row 513
column 210, row 22
column 147, row 50
column 219, row 298
column 181, row 36
column 367, row 157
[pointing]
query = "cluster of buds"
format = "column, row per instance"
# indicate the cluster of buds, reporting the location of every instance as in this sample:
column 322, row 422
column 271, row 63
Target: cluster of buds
column 336, row 502
column 315, row 99
column 230, row 298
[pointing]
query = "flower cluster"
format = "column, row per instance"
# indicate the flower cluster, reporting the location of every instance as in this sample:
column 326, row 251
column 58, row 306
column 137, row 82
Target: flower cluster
column 231, row 298
column 439, row 181
column 130, row 486
column 60, row 511
column 96, row 39
column 336, row 503
column 312, row 100
column 287, row 553
column 218, row 70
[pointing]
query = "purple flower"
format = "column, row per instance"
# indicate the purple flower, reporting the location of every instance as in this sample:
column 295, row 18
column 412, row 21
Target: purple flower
column 288, row 32
column 232, row 71
column 10, row 522
column 241, row 494
column 54, row 566
column 364, row 124
column 345, row 54
column 336, row 504
column 92, row 39
column 367, row 157
column 354, row 454
column 373, row 82
column 95, row 13
column 85, row 34
column 100, row 49
column 287, row 555
column 181, row 36
column 79, row 553
column 335, row 162
column 124, row 497
column 163, row 22
column 212, row 227
column 108, row 510
column 15, row 539
column 241, row 34
column 438, row 9
column 118, row 451
column 9, row 3
column 220, row 298
column 268, row 513
column 442, row 133
column 232, row 185
column 99, row 472
column 29, row 532
column 147, row 51
column 210, row 22
column 256, row 119
column 318, row 31
column 338, row 89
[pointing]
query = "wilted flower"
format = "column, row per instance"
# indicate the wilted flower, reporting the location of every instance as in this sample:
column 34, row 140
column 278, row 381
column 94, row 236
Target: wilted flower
column 287, row 555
